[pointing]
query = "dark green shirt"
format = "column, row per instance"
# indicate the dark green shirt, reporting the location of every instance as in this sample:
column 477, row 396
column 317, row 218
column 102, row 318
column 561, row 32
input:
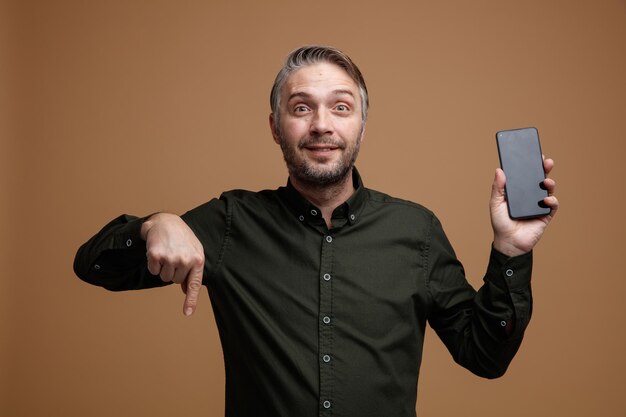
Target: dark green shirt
column 319, row 322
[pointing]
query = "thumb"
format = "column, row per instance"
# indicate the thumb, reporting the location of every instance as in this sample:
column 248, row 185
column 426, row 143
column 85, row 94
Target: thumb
column 497, row 189
column 192, row 286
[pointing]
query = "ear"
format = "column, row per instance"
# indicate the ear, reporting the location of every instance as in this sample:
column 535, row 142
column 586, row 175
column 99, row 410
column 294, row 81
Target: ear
column 272, row 121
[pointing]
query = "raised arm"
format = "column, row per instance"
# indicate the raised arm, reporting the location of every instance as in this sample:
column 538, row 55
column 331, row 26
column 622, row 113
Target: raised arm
column 483, row 330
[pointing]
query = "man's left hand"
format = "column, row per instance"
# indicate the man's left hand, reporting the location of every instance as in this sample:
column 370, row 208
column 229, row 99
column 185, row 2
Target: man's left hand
column 516, row 237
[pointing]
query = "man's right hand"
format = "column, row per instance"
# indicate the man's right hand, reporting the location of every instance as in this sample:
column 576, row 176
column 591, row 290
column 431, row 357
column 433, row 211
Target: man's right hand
column 175, row 254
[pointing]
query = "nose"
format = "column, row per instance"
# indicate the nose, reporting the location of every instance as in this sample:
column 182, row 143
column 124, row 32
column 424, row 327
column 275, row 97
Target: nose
column 321, row 123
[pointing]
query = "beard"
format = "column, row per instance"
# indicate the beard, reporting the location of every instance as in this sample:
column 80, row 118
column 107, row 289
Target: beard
column 311, row 173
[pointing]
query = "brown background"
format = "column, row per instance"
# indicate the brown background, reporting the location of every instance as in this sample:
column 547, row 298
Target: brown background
column 139, row 106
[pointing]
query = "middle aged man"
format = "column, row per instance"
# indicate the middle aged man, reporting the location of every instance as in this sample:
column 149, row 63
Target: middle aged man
column 322, row 289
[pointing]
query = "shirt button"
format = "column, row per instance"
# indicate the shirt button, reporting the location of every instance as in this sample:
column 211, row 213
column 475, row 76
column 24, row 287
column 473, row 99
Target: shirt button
column 352, row 217
column 96, row 267
column 326, row 404
column 129, row 243
column 326, row 277
column 509, row 272
column 326, row 320
column 313, row 212
column 301, row 218
column 329, row 239
column 326, row 358
column 503, row 323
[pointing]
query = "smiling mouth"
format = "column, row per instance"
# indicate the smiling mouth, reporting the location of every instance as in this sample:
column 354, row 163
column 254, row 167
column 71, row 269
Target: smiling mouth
column 322, row 152
column 324, row 148
column 321, row 145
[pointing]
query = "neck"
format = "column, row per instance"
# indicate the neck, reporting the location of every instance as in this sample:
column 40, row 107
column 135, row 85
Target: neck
column 326, row 197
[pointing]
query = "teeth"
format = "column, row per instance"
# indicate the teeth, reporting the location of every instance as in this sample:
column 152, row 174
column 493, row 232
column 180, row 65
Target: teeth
column 315, row 149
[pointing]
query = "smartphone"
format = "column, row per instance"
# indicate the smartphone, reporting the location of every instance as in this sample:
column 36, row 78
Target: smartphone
column 521, row 161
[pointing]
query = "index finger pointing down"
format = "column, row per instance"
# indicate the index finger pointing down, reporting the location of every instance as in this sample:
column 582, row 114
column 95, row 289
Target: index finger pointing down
column 194, row 283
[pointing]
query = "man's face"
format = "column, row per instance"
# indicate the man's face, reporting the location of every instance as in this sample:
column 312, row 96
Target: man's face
column 320, row 127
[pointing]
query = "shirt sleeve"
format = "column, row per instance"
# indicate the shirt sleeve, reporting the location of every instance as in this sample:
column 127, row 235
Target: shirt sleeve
column 115, row 257
column 482, row 329
column 211, row 223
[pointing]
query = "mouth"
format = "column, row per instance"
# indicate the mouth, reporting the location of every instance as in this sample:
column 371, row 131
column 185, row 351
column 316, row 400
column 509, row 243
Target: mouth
column 321, row 152
column 321, row 148
column 323, row 144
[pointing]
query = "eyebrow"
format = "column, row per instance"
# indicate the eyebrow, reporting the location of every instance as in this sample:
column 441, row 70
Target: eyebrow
column 302, row 94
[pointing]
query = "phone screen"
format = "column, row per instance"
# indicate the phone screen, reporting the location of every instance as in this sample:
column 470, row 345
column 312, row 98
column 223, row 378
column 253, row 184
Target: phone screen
column 521, row 161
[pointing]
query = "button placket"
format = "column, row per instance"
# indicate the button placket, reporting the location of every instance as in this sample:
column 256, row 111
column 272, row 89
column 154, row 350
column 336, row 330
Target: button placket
column 325, row 329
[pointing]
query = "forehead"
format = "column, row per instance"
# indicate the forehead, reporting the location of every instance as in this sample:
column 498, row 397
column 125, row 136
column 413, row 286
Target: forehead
column 318, row 79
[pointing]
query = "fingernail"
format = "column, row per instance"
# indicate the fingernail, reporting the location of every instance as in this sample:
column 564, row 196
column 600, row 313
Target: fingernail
column 188, row 311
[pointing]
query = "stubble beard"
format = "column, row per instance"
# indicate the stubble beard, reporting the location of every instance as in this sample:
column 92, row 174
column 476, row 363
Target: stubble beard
column 317, row 175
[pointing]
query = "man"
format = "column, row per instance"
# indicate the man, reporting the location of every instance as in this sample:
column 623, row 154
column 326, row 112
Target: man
column 322, row 289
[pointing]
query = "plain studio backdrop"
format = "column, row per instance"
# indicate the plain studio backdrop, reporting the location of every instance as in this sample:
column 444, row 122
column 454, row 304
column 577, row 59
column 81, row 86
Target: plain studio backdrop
column 111, row 107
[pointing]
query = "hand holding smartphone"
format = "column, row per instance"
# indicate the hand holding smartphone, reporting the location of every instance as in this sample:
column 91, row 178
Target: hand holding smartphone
column 522, row 163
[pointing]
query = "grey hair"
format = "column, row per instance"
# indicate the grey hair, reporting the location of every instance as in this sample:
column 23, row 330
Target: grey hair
column 309, row 55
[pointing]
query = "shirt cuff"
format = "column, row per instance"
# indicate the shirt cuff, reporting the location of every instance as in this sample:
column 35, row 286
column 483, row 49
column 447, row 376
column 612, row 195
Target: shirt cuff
column 513, row 272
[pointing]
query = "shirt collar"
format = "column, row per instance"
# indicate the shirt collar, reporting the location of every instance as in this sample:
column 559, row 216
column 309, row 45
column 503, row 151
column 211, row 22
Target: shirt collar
column 306, row 211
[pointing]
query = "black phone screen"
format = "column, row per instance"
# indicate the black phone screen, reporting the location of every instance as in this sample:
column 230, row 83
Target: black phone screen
column 521, row 161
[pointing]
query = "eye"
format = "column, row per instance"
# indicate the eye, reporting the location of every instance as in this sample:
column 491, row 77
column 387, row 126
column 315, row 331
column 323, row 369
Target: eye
column 342, row 107
column 300, row 109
